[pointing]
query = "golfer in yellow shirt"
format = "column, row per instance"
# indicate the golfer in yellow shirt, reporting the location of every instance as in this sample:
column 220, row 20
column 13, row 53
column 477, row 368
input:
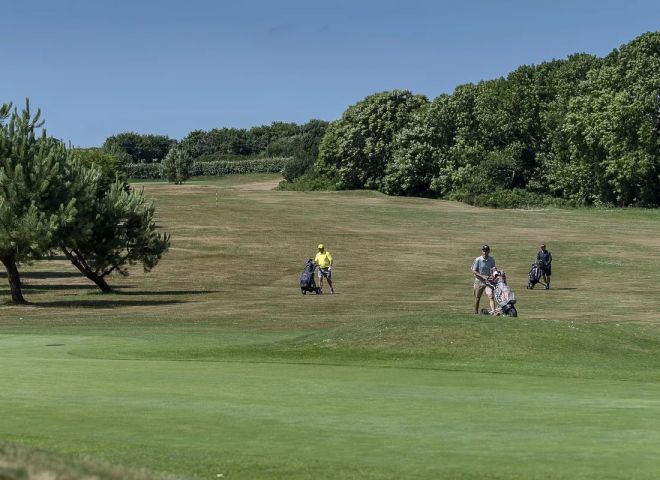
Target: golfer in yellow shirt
column 324, row 261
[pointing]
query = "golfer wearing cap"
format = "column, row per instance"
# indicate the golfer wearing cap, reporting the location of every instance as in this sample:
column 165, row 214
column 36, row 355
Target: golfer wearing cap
column 324, row 260
column 481, row 269
column 544, row 259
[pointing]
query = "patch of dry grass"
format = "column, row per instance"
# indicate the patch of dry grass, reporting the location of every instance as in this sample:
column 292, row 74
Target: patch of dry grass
column 242, row 260
column 18, row 462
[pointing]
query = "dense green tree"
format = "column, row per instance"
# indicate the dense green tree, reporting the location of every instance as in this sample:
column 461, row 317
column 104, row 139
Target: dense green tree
column 270, row 139
column 155, row 147
column 421, row 151
column 114, row 229
column 487, row 136
column 610, row 126
column 107, row 163
column 39, row 184
column 51, row 198
column 357, row 149
column 307, row 150
column 225, row 141
column 497, row 137
column 128, row 143
column 277, row 139
column 177, row 165
column 284, row 147
column 131, row 147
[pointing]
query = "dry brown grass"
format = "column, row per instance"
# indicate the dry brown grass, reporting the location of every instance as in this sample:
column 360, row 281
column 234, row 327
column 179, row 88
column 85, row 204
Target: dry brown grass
column 239, row 262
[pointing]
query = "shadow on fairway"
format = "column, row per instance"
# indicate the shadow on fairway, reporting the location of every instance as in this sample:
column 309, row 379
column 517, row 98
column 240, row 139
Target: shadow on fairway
column 45, row 275
column 138, row 293
column 109, row 303
column 57, row 287
column 36, row 287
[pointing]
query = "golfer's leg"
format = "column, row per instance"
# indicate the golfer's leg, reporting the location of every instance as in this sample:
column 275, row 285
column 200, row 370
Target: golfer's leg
column 491, row 299
column 332, row 290
column 477, row 298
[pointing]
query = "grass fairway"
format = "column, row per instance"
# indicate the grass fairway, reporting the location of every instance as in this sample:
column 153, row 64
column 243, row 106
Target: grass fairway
column 215, row 364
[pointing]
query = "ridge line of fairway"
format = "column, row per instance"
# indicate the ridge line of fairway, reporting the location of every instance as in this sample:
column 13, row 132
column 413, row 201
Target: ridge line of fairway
column 354, row 365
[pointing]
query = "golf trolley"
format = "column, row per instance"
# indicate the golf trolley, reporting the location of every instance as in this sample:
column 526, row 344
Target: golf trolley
column 307, row 282
column 503, row 296
column 535, row 275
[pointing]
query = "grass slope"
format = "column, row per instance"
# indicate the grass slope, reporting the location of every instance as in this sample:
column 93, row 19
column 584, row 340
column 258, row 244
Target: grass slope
column 214, row 364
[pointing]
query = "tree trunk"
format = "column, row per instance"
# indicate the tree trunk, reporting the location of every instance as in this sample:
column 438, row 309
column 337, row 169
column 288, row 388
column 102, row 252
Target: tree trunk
column 99, row 281
column 80, row 264
column 14, row 279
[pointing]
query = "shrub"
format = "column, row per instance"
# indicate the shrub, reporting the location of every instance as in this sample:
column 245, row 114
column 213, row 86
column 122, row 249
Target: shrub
column 143, row 171
column 177, row 166
column 515, row 198
column 227, row 157
column 298, row 166
column 357, row 148
column 266, row 165
column 308, row 182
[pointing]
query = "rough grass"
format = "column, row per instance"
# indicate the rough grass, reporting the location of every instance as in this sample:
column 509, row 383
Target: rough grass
column 215, row 363
column 18, row 462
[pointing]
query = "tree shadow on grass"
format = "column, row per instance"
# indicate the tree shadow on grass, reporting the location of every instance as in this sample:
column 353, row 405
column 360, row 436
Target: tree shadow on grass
column 46, row 287
column 105, row 303
column 45, row 275
column 161, row 292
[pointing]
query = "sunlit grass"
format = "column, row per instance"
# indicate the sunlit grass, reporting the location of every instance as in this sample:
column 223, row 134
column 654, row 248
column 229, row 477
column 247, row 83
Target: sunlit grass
column 214, row 363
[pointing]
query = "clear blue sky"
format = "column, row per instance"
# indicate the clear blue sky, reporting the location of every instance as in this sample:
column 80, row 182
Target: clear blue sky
column 97, row 68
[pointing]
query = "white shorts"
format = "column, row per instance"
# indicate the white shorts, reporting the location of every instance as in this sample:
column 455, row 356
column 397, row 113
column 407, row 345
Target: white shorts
column 479, row 287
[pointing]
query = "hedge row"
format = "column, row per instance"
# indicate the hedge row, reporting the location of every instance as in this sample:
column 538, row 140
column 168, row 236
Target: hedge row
column 227, row 157
column 264, row 165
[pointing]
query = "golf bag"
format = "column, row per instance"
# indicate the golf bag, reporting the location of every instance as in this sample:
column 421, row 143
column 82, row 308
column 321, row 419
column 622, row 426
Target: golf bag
column 307, row 282
column 535, row 275
column 504, row 297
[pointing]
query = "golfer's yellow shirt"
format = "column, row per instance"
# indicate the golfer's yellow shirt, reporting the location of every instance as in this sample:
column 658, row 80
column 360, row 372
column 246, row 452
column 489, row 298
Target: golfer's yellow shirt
column 323, row 260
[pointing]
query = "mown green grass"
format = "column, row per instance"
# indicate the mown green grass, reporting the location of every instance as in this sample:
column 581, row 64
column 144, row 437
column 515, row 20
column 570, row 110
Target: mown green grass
column 216, row 364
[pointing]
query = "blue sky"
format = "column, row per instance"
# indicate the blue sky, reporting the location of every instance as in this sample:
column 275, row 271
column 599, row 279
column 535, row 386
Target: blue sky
column 97, row 68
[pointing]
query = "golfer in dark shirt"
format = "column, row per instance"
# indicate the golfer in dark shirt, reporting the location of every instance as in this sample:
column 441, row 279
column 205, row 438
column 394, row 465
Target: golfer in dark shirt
column 544, row 259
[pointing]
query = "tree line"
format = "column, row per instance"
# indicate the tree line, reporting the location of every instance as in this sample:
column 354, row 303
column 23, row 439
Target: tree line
column 577, row 131
column 198, row 150
column 280, row 139
column 59, row 199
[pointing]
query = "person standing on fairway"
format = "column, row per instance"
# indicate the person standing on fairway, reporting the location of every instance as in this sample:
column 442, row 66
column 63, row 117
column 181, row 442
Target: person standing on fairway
column 324, row 260
column 481, row 269
column 544, row 259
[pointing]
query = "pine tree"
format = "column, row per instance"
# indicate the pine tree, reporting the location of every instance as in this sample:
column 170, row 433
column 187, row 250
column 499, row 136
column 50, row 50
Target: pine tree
column 37, row 196
column 114, row 229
